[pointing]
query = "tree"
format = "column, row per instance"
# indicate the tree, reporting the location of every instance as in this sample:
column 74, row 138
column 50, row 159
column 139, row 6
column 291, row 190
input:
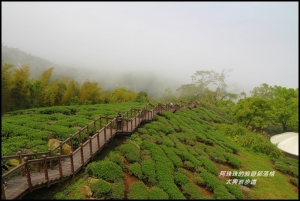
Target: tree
column 89, row 93
column 263, row 91
column 214, row 81
column 6, row 75
column 19, row 90
column 142, row 96
column 254, row 113
column 285, row 107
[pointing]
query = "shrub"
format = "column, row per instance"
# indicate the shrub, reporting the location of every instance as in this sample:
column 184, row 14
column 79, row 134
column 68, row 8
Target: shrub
column 131, row 152
column 235, row 190
column 295, row 181
column 180, row 178
column 220, row 192
column 138, row 190
column 156, row 193
column 209, row 165
column 106, row 170
column 118, row 190
column 136, row 170
column 231, row 160
column 100, row 188
column 199, row 180
column 192, row 191
column 210, row 180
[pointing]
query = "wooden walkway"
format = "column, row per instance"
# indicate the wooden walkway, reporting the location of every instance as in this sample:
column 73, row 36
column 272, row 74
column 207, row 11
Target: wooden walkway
column 44, row 169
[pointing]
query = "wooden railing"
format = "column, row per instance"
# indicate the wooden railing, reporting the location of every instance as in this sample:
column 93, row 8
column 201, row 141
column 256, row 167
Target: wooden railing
column 54, row 167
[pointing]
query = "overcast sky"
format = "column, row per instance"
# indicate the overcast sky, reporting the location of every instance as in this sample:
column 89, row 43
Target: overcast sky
column 259, row 41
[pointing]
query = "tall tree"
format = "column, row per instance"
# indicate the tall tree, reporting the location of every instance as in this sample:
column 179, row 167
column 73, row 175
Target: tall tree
column 6, row 75
column 19, row 90
column 254, row 113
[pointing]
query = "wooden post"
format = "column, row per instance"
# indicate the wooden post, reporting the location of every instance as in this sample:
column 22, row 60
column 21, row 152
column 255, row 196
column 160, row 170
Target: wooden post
column 71, row 142
column 104, row 134
column 72, row 163
column 100, row 122
column 46, row 170
column 59, row 167
column 3, row 196
column 80, row 139
column 28, row 174
column 37, row 165
column 81, row 150
column 98, row 140
column 94, row 127
column 51, row 162
column 20, row 162
column 60, row 147
column 111, row 128
column 87, row 131
column 91, row 148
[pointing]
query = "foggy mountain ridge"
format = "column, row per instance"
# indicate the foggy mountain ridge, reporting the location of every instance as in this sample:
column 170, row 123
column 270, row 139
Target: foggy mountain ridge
column 151, row 82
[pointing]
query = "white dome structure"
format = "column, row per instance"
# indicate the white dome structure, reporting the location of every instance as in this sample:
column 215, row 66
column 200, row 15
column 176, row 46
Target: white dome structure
column 287, row 142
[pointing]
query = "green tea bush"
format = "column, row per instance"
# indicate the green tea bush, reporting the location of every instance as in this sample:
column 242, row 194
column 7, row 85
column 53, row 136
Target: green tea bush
column 156, row 193
column 167, row 141
column 138, row 190
column 100, row 188
column 105, row 169
column 295, row 181
column 131, row 152
column 232, row 160
column 192, row 191
column 180, row 178
column 136, row 170
column 172, row 156
column 235, row 190
column 148, row 169
column 117, row 190
column 209, row 165
column 189, row 165
column 172, row 190
column 115, row 157
column 215, row 155
column 200, row 181
column 211, row 181
column 221, row 193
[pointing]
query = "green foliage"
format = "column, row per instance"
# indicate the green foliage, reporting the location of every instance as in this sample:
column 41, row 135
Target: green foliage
column 106, row 170
column 100, row 188
column 200, row 181
column 260, row 144
column 180, row 178
column 136, row 170
column 295, row 181
column 220, row 192
column 118, row 190
column 138, row 190
column 131, row 152
column 116, row 158
column 209, row 165
column 234, row 190
column 172, row 190
column 156, row 193
column 232, row 160
column 211, row 181
column 76, row 193
column 148, row 169
column 192, row 191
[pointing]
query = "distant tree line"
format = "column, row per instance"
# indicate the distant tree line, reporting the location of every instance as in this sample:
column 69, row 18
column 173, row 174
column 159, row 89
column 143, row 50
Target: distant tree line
column 19, row 91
